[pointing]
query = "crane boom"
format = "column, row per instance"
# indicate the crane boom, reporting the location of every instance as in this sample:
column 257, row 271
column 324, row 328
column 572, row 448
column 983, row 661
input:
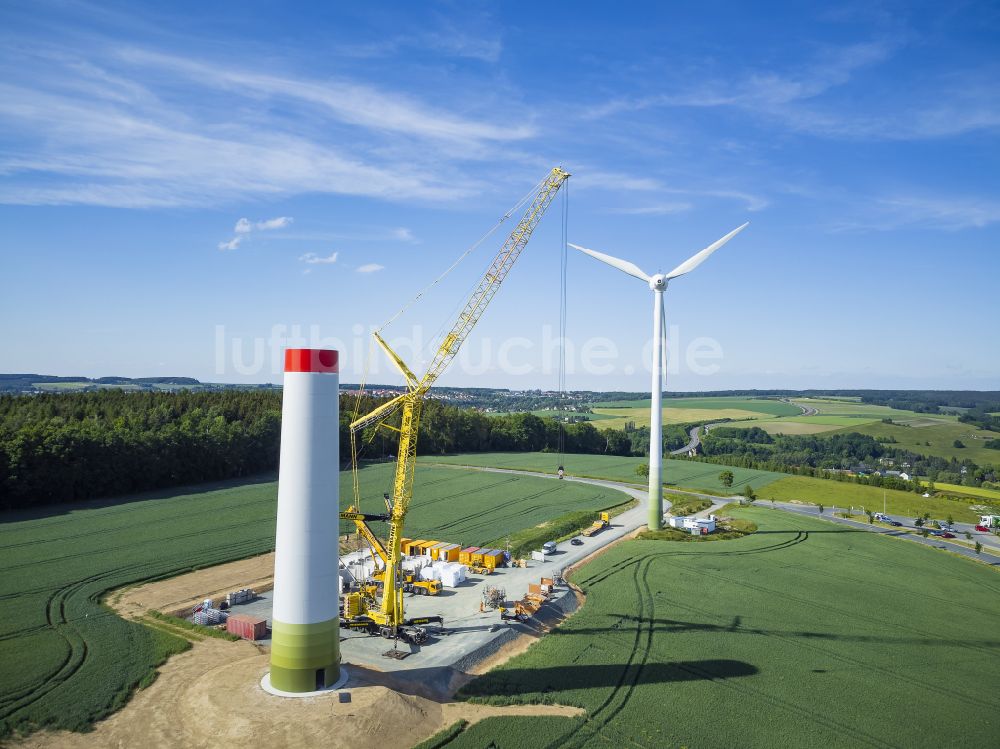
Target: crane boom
column 410, row 403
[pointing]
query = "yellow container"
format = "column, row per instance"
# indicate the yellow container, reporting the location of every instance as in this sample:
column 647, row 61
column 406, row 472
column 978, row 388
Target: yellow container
column 465, row 555
column 449, row 552
column 493, row 558
column 436, row 549
column 413, row 547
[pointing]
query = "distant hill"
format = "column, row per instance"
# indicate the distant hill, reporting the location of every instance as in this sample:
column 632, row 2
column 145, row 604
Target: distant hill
column 38, row 383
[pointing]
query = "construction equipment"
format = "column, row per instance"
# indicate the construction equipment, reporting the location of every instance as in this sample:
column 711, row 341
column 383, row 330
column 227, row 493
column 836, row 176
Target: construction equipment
column 508, row 615
column 599, row 525
column 388, row 614
column 493, row 597
column 425, row 587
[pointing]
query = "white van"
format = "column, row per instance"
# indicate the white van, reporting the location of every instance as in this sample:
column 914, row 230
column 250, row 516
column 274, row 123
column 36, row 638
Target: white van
column 549, row 547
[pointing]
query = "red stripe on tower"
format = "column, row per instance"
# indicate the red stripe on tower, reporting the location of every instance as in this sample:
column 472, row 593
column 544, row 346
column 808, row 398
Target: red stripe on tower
column 311, row 360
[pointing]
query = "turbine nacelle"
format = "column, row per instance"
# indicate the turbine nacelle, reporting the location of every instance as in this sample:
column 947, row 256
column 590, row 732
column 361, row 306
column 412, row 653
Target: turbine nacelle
column 658, row 282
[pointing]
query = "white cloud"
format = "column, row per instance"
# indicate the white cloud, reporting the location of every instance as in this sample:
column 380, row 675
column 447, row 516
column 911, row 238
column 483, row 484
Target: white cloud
column 370, row 268
column 274, row 223
column 403, row 234
column 313, row 259
column 244, row 227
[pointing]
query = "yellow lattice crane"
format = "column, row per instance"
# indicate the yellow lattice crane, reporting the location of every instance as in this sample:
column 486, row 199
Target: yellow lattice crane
column 388, row 618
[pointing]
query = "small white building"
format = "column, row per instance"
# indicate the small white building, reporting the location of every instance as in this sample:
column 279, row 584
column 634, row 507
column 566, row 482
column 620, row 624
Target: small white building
column 693, row 524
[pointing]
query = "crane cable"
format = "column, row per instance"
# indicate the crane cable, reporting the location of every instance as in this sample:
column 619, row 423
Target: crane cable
column 464, row 255
column 355, row 452
column 563, row 262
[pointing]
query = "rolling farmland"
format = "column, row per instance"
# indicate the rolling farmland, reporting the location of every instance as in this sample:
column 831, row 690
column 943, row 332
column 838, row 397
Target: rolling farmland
column 804, row 634
column 614, row 414
column 844, row 494
column 680, row 473
column 84, row 660
column 940, row 432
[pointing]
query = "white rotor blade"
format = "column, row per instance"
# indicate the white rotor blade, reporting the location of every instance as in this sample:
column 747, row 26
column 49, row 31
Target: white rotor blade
column 623, row 265
column 697, row 259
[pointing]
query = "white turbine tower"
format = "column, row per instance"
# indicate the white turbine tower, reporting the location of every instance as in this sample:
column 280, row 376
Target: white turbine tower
column 658, row 284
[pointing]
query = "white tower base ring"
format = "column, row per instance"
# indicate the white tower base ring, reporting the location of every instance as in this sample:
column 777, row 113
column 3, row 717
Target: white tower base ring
column 265, row 684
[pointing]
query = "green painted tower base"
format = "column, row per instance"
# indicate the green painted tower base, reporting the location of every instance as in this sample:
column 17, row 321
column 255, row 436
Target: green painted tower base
column 305, row 657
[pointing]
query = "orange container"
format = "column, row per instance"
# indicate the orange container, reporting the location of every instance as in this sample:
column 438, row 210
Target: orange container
column 465, row 555
column 246, row 626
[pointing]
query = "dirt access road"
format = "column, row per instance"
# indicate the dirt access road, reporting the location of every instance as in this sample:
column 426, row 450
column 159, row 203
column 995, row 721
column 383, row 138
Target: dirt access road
column 210, row 696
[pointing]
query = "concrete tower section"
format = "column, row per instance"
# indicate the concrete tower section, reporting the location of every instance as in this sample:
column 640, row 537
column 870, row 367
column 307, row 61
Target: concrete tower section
column 305, row 631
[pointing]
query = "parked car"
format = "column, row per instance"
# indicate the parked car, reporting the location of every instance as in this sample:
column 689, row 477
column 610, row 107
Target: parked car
column 549, row 547
column 895, row 523
column 982, row 529
column 937, row 534
column 947, row 534
column 576, row 541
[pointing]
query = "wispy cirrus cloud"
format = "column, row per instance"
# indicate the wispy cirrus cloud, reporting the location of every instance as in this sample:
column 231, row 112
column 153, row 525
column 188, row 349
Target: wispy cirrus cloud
column 620, row 182
column 369, row 268
column 899, row 211
column 820, row 97
column 141, row 129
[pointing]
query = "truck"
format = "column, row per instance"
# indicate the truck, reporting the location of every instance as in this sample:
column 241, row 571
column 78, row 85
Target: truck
column 989, row 521
column 599, row 525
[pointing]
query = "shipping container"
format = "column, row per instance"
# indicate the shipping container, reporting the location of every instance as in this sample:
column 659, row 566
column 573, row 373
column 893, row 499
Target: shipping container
column 465, row 555
column 493, row 559
column 413, row 548
column 435, row 550
column 246, row 626
column 449, row 552
column 425, row 549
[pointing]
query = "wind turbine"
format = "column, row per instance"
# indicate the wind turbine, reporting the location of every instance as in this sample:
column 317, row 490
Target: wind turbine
column 658, row 284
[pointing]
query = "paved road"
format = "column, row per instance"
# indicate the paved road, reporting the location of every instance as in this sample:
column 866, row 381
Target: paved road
column 806, row 410
column 692, row 445
column 992, row 559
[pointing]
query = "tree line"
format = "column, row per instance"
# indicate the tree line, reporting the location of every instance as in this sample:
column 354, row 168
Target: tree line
column 832, row 455
column 70, row 447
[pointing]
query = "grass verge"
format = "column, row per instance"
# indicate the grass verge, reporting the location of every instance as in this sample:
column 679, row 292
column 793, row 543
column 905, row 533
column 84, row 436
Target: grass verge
column 196, row 629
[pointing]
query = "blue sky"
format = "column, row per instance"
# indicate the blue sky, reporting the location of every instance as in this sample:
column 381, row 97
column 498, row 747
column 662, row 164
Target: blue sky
column 180, row 180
